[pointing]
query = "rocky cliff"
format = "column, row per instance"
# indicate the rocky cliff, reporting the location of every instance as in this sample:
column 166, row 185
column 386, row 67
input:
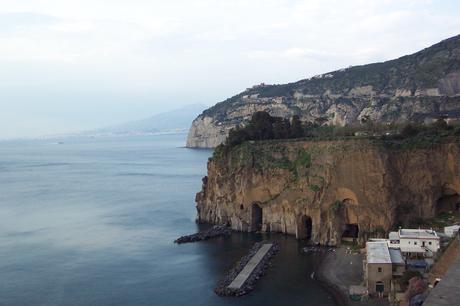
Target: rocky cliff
column 416, row 87
column 328, row 190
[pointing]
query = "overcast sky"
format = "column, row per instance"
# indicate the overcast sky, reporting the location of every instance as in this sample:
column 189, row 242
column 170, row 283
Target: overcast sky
column 76, row 65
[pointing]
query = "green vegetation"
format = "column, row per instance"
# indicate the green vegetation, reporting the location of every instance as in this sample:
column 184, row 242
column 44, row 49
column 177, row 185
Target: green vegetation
column 303, row 201
column 303, row 159
column 405, row 278
column 354, row 246
column 262, row 126
column 414, row 136
column 256, row 146
column 438, row 222
column 265, row 127
column 378, row 231
column 337, row 206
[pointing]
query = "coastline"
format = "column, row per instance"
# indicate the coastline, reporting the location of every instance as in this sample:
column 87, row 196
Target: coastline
column 321, row 275
column 339, row 270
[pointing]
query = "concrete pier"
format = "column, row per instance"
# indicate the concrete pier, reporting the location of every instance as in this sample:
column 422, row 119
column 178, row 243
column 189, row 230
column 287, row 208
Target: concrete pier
column 250, row 266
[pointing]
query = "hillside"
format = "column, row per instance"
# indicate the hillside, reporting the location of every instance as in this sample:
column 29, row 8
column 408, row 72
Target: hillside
column 417, row 87
column 175, row 120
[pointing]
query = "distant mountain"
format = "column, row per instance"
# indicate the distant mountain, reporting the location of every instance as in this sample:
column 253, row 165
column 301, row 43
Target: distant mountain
column 178, row 120
column 417, row 87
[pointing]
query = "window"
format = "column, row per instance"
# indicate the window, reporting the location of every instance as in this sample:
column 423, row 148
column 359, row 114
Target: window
column 429, row 243
column 415, row 242
column 379, row 269
column 409, row 242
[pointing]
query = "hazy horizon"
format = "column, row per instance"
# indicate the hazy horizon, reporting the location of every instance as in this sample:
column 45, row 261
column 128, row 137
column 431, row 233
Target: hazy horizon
column 73, row 66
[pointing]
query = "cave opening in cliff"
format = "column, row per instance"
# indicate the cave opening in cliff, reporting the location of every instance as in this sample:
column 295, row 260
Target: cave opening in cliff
column 256, row 218
column 350, row 232
column 449, row 201
column 304, row 228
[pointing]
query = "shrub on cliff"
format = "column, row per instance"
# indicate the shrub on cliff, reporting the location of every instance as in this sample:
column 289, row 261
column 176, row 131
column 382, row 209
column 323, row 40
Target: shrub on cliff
column 262, row 126
column 410, row 130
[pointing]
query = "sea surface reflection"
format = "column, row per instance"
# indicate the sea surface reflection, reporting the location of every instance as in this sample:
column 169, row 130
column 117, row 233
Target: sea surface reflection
column 91, row 222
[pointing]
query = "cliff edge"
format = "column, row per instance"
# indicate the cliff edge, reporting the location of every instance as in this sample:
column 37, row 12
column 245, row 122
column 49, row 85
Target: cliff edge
column 327, row 191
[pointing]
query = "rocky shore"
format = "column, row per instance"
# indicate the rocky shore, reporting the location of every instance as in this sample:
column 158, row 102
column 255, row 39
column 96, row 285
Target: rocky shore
column 215, row 231
column 222, row 287
column 338, row 295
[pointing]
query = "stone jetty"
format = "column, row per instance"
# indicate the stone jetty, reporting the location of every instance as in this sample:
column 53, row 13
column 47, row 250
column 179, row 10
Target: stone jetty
column 241, row 279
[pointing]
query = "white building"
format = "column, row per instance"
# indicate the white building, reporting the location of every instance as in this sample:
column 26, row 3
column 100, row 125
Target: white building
column 381, row 265
column 451, row 231
column 415, row 241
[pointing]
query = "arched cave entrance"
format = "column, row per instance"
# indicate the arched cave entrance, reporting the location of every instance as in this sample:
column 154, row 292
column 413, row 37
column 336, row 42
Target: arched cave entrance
column 350, row 232
column 304, row 227
column 449, row 200
column 350, row 228
column 256, row 218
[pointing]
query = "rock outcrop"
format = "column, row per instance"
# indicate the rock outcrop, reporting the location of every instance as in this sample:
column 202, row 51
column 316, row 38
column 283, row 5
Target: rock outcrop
column 327, row 191
column 417, row 87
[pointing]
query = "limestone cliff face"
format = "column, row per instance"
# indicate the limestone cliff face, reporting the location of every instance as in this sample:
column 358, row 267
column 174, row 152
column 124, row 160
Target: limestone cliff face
column 417, row 87
column 323, row 189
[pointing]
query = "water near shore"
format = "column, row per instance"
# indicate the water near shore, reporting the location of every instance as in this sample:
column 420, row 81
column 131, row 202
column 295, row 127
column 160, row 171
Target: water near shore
column 92, row 222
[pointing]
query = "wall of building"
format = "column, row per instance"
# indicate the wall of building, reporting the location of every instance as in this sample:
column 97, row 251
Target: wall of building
column 413, row 242
column 398, row 269
column 373, row 276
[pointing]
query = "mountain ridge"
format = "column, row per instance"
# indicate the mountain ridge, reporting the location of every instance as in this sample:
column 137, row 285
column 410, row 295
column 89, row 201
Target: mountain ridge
column 416, row 87
column 174, row 120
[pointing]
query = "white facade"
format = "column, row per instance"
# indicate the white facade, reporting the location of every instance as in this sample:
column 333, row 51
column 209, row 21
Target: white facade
column 451, row 231
column 421, row 241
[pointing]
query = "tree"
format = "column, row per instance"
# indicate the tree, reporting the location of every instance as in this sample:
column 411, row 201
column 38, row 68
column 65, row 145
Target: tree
column 296, row 127
column 236, row 136
column 441, row 124
column 261, row 126
column 407, row 276
column 409, row 130
column 281, row 128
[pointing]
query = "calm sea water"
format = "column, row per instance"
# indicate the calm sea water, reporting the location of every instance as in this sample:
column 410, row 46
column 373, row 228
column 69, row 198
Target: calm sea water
column 92, row 222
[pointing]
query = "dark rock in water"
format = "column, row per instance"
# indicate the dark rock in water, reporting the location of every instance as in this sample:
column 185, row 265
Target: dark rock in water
column 222, row 287
column 215, row 231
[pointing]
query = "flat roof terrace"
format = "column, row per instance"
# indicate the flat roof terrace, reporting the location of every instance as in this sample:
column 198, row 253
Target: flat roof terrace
column 377, row 252
column 418, row 234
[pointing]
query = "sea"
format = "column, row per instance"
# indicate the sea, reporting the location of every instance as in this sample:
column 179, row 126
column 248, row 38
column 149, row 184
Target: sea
column 92, row 221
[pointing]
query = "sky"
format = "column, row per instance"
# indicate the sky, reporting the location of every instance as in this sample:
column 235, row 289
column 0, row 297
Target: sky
column 68, row 66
